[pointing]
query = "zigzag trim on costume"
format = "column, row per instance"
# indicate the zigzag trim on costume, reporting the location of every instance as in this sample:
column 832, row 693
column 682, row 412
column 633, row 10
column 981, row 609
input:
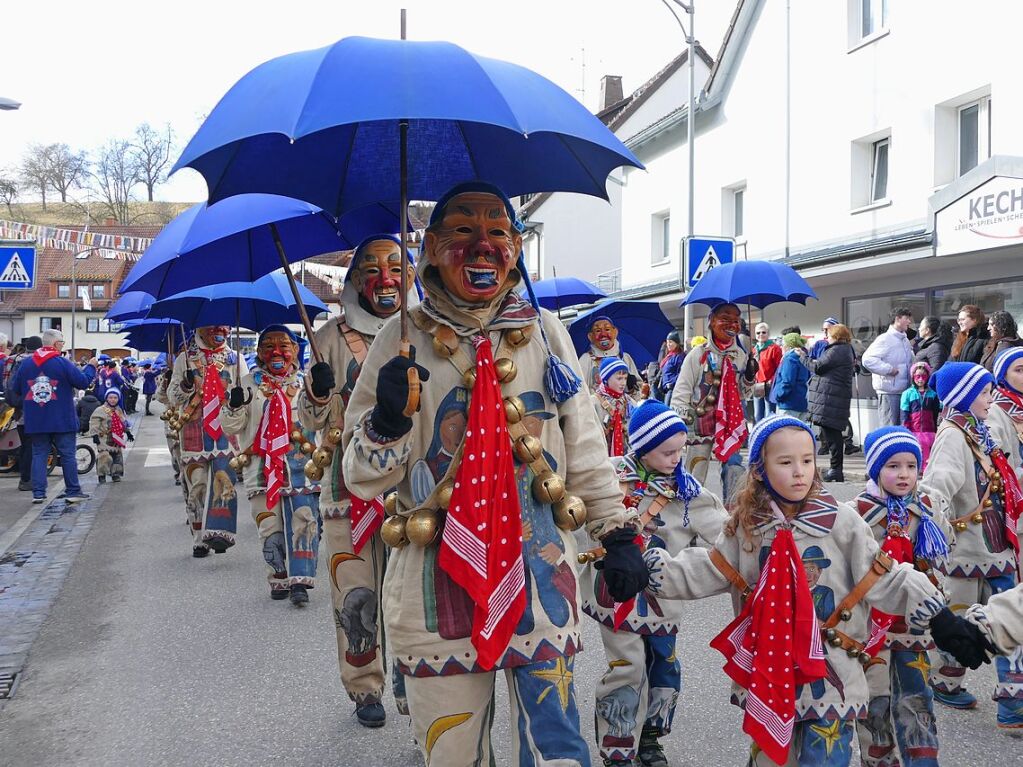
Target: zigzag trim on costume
column 977, row 571
column 512, row 658
column 661, row 630
column 816, row 710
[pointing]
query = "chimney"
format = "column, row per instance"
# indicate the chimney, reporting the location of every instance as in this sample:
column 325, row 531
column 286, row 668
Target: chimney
column 610, row 91
column 110, row 221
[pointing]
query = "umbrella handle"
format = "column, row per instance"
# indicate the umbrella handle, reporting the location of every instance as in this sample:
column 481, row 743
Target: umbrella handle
column 415, row 387
column 295, row 294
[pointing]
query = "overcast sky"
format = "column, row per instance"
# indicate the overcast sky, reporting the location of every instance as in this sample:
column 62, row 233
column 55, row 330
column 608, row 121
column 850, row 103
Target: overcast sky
column 86, row 72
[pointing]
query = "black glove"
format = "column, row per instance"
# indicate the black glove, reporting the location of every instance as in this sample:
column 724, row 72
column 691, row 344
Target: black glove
column 237, row 397
column 95, row 439
column 322, row 376
column 387, row 418
column 752, row 366
column 625, row 573
column 961, row 639
column 129, row 435
column 631, row 382
column 189, row 378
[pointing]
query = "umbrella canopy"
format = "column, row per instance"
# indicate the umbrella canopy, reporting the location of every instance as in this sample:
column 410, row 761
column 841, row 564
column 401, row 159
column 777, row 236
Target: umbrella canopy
column 642, row 328
column 757, row 283
column 323, row 126
column 133, row 305
column 559, row 292
column 152, row 335
column 252, row 305
column 232, row 241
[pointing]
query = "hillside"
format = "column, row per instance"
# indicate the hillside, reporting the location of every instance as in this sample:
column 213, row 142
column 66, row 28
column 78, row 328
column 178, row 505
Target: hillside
column 63, row 214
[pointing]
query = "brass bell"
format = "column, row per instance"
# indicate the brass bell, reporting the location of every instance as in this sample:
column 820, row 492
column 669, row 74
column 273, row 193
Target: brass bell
column 864, row 659
column 711, row 398
column 234, row 464
column 988, row 503
column 444, row 493
column 845, row 615
column 548, row 487
column 716, row 378
column 297, row 435
column 569, row 513
column 332, row 436
column 505, row 369
column 977, row 518
column 833, row 638
column 514, row 409
column 469, row 379
column 313, row 472
column 392, row 531
column 960, row 526
column 391, row 503
column 422, row 527
column 995, row 488
column 528, row 448
column 244, row 459
column 322, row 457
column 307, row 448
column 165, row 415
column 516, row 337
column 442, row 349
column 701, row 411
column 853, row 651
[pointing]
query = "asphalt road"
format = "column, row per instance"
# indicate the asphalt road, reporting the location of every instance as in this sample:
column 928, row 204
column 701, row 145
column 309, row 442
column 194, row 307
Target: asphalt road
column 150, row 657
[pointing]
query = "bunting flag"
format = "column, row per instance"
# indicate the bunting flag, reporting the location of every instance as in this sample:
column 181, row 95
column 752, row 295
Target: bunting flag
column 123, row 247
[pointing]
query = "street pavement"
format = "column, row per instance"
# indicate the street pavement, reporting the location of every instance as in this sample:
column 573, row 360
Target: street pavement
column 150, row 657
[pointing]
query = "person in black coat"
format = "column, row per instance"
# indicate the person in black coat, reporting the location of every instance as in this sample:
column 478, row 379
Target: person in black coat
column 972, row 337
column 830, row 394
column 86, row 405
column 934, row 343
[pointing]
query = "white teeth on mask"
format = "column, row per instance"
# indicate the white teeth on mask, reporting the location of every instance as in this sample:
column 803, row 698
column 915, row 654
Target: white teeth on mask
column 482, row 278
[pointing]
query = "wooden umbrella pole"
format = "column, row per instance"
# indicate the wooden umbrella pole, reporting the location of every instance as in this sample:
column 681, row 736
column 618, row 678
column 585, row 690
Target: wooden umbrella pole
column 238, row 342
column 295, row 294
column 404, row 348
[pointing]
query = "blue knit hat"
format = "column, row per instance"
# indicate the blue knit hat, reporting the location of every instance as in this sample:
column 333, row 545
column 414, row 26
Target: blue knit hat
column 768, row 426
column 1003, row 362
column 651, row 424
column 609, row 366
column 114, row 390
column 959, row 383
column 881, row 444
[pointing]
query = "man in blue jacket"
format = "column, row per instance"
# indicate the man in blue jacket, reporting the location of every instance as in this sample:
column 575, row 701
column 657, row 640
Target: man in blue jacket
column 45, row 386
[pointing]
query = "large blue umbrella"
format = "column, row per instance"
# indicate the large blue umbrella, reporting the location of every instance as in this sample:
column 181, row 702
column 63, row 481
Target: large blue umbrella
column 252, row 305
column 757, row 283
column 560, row 292
column 642, row 328
column 153, row 335
column 326, row 126
column 133, row 305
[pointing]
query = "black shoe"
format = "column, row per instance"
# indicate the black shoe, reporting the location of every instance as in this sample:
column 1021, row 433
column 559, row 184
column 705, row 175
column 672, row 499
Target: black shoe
column 24, row 485
column 200, row 551
column 75, row 497
column 369, row 714
column 102, row 478
column 650, row 753
column 116, row 478
column 277, row 593
column 833, row 476
column 299, row 597
column 219, row 545
column 850, row 448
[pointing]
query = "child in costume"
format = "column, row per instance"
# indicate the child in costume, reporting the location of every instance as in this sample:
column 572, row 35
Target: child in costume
column 613, row 404
column 970, row 472
column 1008, row 398
column 108, row 427
column 807, row 572
column 637, row 695
column 920, row 409
column 909, row 529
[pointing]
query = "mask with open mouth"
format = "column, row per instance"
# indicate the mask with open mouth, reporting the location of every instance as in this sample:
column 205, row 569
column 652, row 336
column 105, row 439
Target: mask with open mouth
column 214, row 336
column 376, row 275
column 603, row 335
column 473, row 246
column 276, row 352
column 725, row 323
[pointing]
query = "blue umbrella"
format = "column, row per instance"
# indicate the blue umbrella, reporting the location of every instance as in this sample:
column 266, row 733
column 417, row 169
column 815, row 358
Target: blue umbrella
column 642, row 328
column 327, row 126
column 758, row 283
column 133, row 305
column 560, row 292
column 153, row 335
column 252, row 305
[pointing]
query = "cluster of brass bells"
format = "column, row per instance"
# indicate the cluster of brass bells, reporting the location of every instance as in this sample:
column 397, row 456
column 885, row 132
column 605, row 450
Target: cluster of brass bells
column 421, row 528
column 319, row 457
column 173, row 418
column 833, row 638
column 977, row 518
column 240, row 461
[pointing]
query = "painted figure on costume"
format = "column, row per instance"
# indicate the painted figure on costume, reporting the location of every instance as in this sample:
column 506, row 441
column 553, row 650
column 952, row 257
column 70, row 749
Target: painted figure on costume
column 371, row 295
column 203, row 374
column 603, row 337
column 108, row 427
column 496, row 417
column 262, row 411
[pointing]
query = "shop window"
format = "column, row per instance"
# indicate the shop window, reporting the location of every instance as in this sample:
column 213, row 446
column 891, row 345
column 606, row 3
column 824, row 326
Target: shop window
column 99, row 291
column 92, row 325
column 998, row 296
column 868, row 317
column 63, row 291
column 49, row 323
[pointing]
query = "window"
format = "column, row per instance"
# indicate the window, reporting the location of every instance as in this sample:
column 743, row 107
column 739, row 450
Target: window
column 738, row 203
column 733, row 209
column 49, row 323
column 660, row 240
column 92, row 325
column 879, row 171
column 63, row 291
column 974, row 129
column 873, row 17
column 99, row 291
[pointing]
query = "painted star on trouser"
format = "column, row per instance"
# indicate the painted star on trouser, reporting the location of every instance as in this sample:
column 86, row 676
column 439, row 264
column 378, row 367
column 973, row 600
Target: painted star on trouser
column 830, row 735
column 560, row 678
column 921, row 664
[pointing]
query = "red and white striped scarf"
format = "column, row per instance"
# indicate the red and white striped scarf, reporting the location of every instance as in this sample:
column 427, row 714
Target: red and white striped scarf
column 481, row 548
column 117, row 428
column 366, row 518
column 272, row 438
column 212, row 397
column 730, row 421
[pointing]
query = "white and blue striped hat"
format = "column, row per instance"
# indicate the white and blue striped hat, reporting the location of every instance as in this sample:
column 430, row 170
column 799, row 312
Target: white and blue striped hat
column 959, row 383
column 611, row 365
column 881, row 444
column 768, row 426
column 651, row 424
column 1004, row 361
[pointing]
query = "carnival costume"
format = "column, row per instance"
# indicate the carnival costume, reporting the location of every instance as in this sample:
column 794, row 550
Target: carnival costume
column 970, row 472
column 637, row 695
column 482, row 576
column 603, row 335
column 108, row 427
column 203, row 373
column 613, row 408
column 798, row 666
column 1008, row 410
column 171, row 430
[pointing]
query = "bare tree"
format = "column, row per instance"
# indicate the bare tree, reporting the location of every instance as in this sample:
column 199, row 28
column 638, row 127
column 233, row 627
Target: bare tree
column 35, row 169
column 66, row 169
column 116, row 175
column 151, row 151
column 8, row 190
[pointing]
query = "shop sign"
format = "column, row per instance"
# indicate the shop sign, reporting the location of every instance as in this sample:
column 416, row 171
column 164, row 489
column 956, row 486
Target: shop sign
column 990, row 216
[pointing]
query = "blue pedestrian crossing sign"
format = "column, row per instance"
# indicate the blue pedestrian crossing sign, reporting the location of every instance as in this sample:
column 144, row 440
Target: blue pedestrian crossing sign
column 704, row 253
column 17, row 267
